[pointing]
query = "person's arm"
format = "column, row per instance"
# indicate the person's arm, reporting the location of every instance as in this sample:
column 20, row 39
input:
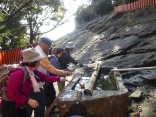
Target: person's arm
column 68, row 57
column 44, row 62
column 48, row 78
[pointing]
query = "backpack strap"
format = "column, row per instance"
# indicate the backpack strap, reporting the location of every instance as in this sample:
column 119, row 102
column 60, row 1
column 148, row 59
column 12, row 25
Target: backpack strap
column 25, row 73
column 51, row 57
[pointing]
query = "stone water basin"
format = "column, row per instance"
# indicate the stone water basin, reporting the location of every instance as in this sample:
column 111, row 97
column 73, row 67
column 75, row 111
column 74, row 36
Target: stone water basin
column 106, row 97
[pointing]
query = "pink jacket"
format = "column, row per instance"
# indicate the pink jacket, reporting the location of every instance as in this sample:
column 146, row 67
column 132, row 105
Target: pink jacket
column 18, row 92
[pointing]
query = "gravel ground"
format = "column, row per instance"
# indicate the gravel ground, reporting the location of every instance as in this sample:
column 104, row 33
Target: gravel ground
column 148, row 103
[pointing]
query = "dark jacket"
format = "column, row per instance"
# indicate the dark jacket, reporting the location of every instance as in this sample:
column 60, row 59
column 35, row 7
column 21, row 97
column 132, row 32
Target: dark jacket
column 66, row 59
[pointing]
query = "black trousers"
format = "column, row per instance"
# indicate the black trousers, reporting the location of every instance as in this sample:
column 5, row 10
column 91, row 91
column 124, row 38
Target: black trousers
column 40, row 97
column 50, row 94
column 9, row 110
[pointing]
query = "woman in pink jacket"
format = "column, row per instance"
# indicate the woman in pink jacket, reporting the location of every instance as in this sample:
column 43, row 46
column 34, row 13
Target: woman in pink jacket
column 17, row 92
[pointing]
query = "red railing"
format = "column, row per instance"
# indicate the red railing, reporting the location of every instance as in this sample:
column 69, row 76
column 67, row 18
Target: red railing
column 10, row 56
column 134, row 5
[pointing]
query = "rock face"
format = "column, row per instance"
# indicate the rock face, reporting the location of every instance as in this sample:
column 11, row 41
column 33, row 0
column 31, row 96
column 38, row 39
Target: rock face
column 122, row 40
column 118, row 39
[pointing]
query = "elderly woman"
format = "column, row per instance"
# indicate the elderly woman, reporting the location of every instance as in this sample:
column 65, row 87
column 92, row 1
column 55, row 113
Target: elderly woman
column 17, row 91
column 49, row 88
column 54, row 60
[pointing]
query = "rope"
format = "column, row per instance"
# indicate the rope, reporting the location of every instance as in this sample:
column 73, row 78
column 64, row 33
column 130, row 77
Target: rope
column 53, row 104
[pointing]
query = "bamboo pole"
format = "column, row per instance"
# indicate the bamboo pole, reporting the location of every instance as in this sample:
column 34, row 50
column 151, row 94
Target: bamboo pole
column 89, row 87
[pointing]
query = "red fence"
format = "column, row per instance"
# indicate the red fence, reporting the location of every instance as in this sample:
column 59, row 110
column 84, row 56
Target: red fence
column 10, row 56
column 134, row 5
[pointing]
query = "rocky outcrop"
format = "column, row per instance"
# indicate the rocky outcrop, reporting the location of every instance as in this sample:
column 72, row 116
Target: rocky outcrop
column 122, row 40
column 118, row 39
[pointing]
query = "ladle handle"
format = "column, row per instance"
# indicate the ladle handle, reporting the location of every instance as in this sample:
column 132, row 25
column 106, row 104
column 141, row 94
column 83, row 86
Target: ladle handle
column 79, row 96
column 133, row 69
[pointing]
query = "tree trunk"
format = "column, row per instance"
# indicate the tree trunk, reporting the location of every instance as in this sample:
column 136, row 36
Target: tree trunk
column 32, row 36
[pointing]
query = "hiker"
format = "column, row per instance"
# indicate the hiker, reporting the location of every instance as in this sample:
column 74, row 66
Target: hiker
column 66, row 57
column 54, row 59
column 44, row 66
column 49, row 88
column 15, row 97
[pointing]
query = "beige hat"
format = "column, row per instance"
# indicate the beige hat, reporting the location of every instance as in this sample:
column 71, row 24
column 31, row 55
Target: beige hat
column 70, row 45
column 30, row 55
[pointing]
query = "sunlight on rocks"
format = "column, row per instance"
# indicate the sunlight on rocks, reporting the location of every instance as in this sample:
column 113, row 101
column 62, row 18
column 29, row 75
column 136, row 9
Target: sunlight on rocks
column 115, row 48
column 96, row 36
column 127, row 29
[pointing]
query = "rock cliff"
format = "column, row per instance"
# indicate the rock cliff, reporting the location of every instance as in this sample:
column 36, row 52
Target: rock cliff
column 118, row 39
column 122, row 40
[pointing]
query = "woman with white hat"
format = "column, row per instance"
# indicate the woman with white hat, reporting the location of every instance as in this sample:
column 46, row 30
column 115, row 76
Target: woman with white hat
column 17, row 91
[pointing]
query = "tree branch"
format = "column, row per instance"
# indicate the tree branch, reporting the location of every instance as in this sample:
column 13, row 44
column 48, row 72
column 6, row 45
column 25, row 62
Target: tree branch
column 17, row 10
column 58, row 24
column 5, row 11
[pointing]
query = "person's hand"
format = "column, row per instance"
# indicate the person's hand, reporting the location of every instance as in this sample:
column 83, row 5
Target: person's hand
column 33, row 103
column 62, row 79
column 67, row 73
column 72, row 70
column 85, row 65
column 79, row 65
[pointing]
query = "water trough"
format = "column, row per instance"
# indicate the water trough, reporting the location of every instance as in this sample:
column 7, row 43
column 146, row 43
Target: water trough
column 103, row 94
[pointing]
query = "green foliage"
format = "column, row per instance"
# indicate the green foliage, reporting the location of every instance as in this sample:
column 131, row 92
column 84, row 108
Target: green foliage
column 103, row 6
column 83, row 15
column 119, row 2
column 39, row 13
column 96, row 9
column 10, row 30
column 10, row 35
column 26, row 25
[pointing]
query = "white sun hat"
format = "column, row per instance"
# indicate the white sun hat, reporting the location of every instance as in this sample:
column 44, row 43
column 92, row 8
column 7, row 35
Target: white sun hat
column 31, row 55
